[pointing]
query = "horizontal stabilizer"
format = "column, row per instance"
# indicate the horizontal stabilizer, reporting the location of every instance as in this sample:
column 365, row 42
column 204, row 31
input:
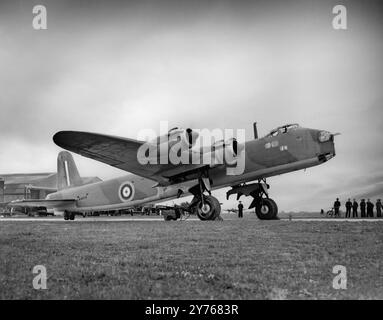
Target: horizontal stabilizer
column 42, row 188
column 49, row 204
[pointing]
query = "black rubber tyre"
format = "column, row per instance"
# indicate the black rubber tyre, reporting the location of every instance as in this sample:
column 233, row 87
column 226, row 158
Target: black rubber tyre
column 268, row 210
column 210, row 210
column 217, row 206
column 71, row 216
column 66, row 215
column 169, row 215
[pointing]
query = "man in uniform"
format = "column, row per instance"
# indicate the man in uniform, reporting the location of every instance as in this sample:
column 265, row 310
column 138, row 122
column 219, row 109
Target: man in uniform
column 348, row 208
column 336, row 207
column 355, row 209
column 370, row 209
column 378, row 208
column 362, row 208
column 240, row 210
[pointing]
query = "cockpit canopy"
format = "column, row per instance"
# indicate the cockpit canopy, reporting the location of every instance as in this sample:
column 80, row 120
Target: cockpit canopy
column 283, row 129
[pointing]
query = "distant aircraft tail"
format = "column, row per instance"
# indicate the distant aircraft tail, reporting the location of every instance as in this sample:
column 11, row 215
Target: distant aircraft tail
column 67, row 173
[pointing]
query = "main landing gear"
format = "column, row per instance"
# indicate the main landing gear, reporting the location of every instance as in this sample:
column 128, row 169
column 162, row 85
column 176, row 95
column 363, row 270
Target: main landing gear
column 206, row 207
column 265, row 207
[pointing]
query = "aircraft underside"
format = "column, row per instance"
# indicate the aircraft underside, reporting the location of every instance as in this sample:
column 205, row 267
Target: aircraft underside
column 208, row 208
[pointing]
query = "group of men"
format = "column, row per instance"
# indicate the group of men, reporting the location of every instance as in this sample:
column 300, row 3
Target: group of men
column 366, row 208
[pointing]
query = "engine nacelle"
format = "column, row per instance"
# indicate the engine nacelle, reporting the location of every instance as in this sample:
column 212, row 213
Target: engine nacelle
column 187, row 138
column 225, row 152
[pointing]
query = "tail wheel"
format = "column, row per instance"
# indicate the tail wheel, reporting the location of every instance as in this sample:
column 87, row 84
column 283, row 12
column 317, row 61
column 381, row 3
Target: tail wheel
column 209, row 209
column 267, row 209
column 168, row 218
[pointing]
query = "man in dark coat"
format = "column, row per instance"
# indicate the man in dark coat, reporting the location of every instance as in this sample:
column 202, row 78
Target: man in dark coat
column 378, row 208
column 348, row 208
column 362, row 208
column 240, row 210
column 336, row 207
column 355, row 209
column 370, row 209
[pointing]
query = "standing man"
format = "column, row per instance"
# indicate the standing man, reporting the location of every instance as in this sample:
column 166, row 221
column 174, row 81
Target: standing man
column 240, row 210
column 336, row 207
column 378, row 208
column 370, row 209
column 362, row 208
column 355, row 209
column 348, row 208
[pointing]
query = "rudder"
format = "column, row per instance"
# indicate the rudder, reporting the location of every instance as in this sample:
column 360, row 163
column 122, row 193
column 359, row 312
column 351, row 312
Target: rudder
column 67, row 173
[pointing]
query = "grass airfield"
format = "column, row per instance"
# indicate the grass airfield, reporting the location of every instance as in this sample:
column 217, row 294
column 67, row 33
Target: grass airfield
column 230, row 259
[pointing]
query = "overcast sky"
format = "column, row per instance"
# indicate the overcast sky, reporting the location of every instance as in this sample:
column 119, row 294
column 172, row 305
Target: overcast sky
column 118, row 67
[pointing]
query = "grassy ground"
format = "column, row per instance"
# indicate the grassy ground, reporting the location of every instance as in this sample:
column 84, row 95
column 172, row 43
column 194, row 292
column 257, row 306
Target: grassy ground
column 239, row 259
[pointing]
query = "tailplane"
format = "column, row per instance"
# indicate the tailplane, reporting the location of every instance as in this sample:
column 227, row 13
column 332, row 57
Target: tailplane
column 67, row 173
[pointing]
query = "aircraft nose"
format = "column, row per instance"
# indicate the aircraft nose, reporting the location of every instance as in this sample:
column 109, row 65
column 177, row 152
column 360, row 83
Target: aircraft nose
column 326, row 144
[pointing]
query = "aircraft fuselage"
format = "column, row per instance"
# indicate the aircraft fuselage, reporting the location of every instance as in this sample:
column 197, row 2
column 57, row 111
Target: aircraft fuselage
column 272, row 155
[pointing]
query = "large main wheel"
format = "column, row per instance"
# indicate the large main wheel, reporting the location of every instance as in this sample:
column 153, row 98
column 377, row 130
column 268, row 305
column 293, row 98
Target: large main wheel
column 267, row 209
column 209, row 209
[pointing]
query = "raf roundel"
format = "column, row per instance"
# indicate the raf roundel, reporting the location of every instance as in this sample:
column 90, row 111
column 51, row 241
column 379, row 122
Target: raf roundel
column 126, row 191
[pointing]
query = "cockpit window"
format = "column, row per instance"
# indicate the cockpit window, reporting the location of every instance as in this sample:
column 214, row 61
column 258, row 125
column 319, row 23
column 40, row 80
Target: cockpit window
column 282, row 129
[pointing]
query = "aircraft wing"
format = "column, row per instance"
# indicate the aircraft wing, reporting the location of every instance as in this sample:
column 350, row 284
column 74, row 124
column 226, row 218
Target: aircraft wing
column 42, row 203
column 117, row 152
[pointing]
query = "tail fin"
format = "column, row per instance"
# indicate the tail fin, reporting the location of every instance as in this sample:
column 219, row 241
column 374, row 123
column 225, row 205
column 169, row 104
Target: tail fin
column 67, row 173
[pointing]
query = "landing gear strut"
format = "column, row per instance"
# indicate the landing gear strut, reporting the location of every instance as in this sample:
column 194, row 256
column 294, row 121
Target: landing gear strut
column 265, row 207
column 206, row 207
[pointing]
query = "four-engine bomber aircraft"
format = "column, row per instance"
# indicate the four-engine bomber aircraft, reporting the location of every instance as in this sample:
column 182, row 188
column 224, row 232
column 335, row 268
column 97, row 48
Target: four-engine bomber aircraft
column 285, row 149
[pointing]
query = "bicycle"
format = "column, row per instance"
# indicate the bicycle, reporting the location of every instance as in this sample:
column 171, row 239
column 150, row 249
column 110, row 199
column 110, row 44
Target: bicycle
column 330, row 213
